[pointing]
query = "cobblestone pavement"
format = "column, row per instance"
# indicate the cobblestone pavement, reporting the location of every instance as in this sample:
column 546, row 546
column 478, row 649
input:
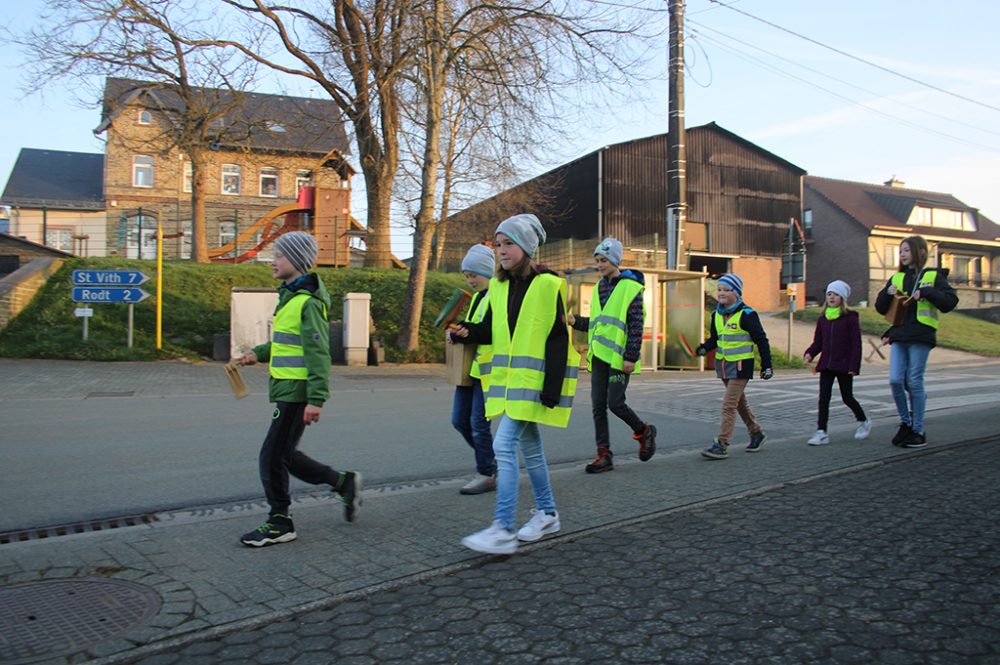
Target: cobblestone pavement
column 892, row 564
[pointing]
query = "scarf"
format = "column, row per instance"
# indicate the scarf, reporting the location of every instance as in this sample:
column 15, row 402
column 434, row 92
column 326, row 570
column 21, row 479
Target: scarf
column 726, row 311
column 832, row 313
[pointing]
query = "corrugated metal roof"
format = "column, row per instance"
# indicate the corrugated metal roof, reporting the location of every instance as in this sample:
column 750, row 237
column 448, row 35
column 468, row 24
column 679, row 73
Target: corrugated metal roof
column 881, row 205
column 56, row 179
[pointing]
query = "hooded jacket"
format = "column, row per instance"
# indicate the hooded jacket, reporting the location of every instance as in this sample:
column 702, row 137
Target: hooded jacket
column 634, row 319
column 315, row 334
column 911, row 331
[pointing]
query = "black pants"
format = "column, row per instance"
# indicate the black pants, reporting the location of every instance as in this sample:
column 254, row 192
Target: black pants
column 846, row 382
column 279, row 456
column 607, row 391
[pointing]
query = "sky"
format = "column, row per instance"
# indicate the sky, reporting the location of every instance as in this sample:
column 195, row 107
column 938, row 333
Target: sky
column 859, row 90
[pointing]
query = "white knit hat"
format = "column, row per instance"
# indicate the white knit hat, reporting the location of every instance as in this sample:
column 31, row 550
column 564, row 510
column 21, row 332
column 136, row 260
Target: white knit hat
column 841, row 288
column 479, row 260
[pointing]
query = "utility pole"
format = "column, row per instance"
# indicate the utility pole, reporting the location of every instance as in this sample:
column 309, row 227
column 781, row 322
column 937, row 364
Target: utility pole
column 676, row 151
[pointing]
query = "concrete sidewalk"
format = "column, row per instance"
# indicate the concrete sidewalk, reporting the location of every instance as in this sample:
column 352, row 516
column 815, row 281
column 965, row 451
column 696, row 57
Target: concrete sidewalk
column 209, row 585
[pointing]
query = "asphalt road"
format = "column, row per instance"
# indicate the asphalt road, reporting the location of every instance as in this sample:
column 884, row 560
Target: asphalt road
column 90, row 440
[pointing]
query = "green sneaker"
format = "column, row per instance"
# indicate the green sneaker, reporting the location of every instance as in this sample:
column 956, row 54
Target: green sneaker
column 277, row 529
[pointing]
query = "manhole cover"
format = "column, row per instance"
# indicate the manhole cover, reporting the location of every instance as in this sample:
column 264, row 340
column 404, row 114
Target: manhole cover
column 40, row 620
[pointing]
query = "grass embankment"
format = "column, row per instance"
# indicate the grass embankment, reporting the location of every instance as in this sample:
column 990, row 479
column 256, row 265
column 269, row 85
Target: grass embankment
column 957, row 331
column 196, row 300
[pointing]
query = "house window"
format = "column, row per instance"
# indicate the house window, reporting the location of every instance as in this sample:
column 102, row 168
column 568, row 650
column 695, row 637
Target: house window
column 185, row 249
column 807, row 223
column 989, row 296
column 891, row 256
column 187, row 178
column 142, row 171
column 227, row 233
column 269, row 182
column 266, row 253
column 303, row 179
column 59, row 239
column 145, row 117
column 140, row 238
column 232, row 175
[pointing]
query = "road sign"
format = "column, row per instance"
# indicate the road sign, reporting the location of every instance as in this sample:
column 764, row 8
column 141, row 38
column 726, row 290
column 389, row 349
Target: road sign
column 108, row 278
column 109, row 294
column 793, row 289
column 83, row 311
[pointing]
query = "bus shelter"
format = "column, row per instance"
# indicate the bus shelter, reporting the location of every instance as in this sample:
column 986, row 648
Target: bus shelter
column 675, row 315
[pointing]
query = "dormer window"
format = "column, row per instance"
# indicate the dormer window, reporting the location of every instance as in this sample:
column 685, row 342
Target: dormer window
column 942, row 218
column 276, row 127
column 145, row 117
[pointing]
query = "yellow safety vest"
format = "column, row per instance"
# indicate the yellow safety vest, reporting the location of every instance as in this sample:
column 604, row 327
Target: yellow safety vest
column 734, row 341
column 482, row 364
column 288, row 361
column 608, row 331
column 927, row 313
column 518, row 372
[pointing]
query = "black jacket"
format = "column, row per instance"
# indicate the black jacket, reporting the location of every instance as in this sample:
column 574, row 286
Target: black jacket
column 911, row 331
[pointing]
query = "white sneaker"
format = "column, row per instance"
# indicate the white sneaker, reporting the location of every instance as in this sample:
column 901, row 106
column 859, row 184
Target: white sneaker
column 494, row 540
column 479, row 485
column 541, row 524
column 864, row 429
column 820, row 438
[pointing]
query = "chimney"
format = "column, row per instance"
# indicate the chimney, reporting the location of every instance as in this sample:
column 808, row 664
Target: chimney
column 894, row 182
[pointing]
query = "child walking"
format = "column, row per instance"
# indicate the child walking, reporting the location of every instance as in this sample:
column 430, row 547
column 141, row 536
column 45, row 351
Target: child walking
column 614, row 339
column 299, row 385
column 912, row 340
column 837, row 342
column 468, row 414
column 734, row 331
column 531, row 383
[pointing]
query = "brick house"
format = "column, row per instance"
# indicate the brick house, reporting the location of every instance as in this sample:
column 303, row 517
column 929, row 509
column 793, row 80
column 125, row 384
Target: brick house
column 268, row 147
column 853, row 231
column 740, row 200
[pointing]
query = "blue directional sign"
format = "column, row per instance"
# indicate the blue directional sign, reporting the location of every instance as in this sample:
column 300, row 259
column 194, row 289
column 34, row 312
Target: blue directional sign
column 108, row 294
column 108, row 278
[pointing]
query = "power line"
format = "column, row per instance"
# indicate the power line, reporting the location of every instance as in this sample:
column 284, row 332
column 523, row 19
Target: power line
column 858, row 58
column 847, row 83
column 897, row 119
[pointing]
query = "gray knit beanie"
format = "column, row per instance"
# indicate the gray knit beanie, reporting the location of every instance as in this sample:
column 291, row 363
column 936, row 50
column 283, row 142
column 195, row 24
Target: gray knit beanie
column 525, row 230
column 299, row 248
column 479, row 260
column 610, row 249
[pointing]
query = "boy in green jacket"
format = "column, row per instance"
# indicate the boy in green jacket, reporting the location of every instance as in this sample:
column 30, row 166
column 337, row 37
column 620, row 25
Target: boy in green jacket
column 299, row 384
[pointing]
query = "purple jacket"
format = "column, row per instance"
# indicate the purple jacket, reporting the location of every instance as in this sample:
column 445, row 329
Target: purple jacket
column 838, row 344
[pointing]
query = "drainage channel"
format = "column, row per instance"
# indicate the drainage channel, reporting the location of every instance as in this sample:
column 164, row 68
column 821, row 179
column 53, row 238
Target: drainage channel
column 86, row 526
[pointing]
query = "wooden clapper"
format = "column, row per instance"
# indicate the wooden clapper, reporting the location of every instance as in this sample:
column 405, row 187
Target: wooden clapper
column 235, row 380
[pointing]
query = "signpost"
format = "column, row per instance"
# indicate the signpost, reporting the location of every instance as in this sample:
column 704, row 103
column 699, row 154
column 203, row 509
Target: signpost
column 107, row 286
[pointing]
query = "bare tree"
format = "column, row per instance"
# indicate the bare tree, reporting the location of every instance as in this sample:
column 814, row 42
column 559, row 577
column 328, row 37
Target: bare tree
column 354, row 51
column 517, row 56
column 192, row 87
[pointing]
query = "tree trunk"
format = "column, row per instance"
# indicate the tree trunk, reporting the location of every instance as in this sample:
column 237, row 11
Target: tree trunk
column 409, row 327
column 199, row 230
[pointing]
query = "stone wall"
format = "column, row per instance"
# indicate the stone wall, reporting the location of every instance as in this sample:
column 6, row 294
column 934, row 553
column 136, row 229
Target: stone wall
column 18, row 288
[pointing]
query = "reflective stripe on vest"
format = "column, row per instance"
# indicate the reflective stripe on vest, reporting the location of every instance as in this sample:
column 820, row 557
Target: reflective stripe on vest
column 927, row 313
column 518, row 367
column 608, row 331
column 483, row 362
column 288, row 361
column 734, row 341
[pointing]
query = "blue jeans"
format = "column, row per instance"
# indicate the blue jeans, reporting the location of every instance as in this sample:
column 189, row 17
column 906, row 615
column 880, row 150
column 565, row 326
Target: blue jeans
column 907, row 363
column 510, row 435
column 468, row 416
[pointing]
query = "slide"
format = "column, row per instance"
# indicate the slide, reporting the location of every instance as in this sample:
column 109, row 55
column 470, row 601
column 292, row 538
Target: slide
column 269, row 226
